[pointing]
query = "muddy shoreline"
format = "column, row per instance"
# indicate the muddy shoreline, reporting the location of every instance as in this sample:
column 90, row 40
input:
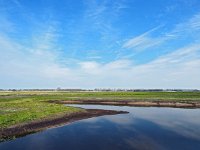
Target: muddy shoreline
column 180, row 104
column 36, row 126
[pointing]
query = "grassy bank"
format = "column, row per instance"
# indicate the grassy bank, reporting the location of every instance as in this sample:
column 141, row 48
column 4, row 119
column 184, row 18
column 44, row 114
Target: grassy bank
column 25, row 106
column 20, row 110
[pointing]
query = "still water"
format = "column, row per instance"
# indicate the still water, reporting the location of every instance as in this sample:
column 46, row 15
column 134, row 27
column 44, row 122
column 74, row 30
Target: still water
column 144, row 128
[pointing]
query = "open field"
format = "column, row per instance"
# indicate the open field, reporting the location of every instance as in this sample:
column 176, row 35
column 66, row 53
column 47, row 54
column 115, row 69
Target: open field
column 17, row 108
column 54, row 95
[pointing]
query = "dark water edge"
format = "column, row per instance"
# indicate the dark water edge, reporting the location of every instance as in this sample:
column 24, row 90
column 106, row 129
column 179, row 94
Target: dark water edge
column 143, row 128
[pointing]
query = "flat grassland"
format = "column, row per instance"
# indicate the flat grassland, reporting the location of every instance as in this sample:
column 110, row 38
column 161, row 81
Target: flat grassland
column 25, row 106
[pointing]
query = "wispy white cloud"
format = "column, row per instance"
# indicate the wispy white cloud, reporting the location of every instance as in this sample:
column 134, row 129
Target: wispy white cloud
column 144, row 41
column 180, row 56
column 176, row 69
column 90, row 67
column 36, row 61
column 195, row 22
column 102, row 16
column 190, row 28
column 119, row 64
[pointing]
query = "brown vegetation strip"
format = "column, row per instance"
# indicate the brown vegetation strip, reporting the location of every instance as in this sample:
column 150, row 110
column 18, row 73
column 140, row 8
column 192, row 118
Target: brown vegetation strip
column 24, row 129
column 183, row 104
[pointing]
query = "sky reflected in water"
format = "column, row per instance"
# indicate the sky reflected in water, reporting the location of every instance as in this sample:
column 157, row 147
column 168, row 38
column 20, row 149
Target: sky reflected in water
column 143, row 128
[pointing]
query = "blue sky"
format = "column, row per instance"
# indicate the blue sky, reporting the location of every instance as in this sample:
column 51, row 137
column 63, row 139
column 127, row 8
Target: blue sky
column 100, row 44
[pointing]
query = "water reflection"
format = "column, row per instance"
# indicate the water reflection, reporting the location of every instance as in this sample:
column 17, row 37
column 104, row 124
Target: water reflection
column 143, row 128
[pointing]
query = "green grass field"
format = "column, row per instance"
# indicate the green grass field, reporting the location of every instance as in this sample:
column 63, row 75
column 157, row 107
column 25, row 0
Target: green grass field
column 25, row 106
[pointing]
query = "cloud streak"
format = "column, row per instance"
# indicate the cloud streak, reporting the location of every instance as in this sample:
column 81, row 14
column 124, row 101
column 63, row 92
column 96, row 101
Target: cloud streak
column 144, row 41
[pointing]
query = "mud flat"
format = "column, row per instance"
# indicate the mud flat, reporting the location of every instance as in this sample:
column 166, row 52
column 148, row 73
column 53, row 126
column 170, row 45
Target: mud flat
column 145, row 103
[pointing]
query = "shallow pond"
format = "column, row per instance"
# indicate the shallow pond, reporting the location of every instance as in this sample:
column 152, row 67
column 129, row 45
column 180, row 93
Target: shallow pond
column 143, row 128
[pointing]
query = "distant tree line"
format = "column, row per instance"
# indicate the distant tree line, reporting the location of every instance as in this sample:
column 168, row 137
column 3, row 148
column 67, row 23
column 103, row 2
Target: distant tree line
column 107, row 90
